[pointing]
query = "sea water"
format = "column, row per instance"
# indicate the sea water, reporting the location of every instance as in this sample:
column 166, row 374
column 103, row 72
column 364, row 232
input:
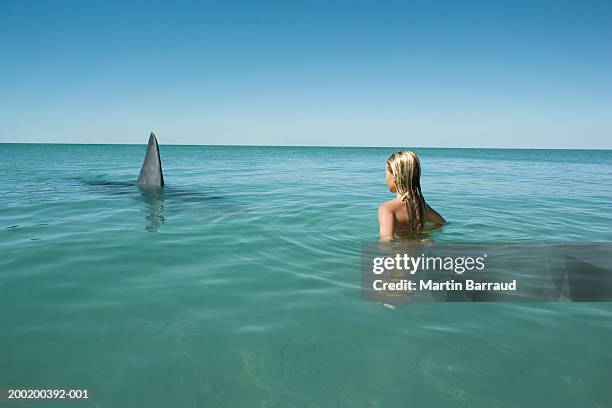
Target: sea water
column 239, row 284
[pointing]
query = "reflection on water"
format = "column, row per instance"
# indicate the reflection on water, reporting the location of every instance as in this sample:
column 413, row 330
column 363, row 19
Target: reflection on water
column 154, row 200
column 202, row 200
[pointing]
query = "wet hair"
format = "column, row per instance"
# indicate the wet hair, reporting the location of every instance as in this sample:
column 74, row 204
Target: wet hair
column 406, row 170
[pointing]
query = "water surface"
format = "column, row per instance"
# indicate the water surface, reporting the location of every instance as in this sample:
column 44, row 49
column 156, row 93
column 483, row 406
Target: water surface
column 239, row 285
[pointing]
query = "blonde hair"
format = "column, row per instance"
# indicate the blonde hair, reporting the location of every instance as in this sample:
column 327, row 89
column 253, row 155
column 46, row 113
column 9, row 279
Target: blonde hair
column 406, row 170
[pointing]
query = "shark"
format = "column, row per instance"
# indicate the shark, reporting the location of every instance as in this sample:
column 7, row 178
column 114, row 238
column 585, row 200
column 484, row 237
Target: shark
column 151, row 174
column 153, row 191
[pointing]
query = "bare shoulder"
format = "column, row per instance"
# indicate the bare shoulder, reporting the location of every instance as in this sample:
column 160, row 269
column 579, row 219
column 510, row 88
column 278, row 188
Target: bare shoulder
column 389, row 207
column 387, row 220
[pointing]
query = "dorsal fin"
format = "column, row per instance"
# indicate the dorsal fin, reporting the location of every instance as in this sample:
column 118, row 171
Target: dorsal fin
column 151, row 174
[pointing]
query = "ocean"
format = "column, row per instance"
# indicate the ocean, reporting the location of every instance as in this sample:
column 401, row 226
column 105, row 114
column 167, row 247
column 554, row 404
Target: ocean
column 239, row 285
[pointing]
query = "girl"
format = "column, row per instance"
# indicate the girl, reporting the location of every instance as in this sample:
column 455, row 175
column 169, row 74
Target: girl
column 406, row 214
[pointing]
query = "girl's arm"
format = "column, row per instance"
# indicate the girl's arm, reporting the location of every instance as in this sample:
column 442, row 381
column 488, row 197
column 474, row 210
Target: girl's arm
column 386, row 221
column 434, row 217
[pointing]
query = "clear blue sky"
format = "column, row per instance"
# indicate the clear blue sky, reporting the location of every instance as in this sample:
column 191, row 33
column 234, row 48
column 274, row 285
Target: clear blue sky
column 384, row 73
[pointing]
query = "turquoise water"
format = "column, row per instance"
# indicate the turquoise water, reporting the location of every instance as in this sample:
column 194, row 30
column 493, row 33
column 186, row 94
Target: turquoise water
column 239, row 286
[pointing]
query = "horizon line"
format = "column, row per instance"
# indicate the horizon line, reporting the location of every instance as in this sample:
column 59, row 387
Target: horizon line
column 326, row 146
